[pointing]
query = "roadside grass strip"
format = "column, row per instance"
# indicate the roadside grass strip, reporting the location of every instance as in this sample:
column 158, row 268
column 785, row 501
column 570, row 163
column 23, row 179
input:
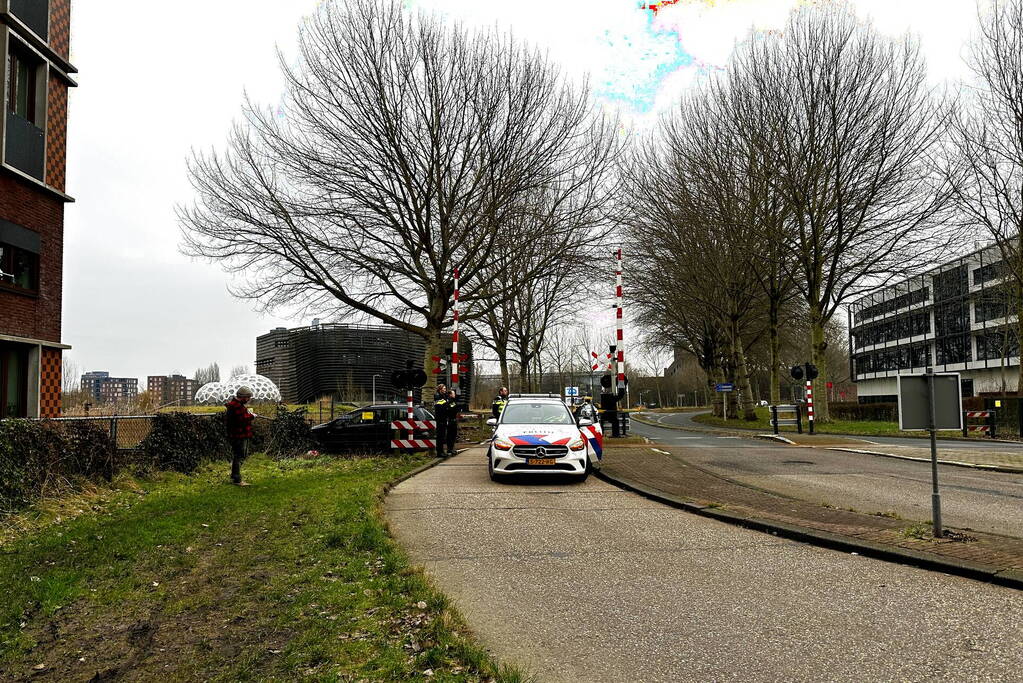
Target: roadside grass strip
column 190, row 578
column 840, row 427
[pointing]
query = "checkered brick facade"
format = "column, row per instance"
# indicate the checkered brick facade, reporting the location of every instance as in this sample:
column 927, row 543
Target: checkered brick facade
column 60, row 27
column 56, row 133
column 49, row 383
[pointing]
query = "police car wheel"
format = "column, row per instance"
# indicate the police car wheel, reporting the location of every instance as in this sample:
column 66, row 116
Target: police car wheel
column 494, row 476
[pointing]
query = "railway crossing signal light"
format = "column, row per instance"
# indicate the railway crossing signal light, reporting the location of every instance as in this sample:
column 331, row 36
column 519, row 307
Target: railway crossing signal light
column 807, row 370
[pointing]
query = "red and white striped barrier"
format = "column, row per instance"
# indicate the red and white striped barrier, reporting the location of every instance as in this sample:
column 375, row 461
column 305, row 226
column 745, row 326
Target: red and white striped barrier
column 979, row 428
column 619, row 320
column 455, row 359
column 413, row 443
column 979, row 413
column 809, row 400
column 414, row 425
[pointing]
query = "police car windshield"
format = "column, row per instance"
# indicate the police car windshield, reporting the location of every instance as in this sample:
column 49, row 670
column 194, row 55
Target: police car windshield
column 536, row 413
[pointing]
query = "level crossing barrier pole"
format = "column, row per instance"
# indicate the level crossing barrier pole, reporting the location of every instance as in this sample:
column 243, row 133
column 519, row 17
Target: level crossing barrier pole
column 455, row 359
column 411, row 417
column 809, row 404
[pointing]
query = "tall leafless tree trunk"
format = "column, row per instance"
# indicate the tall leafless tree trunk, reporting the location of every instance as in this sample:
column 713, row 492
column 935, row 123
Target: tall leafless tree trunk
column 851, row 129
column 985, row 163
column 403, row 148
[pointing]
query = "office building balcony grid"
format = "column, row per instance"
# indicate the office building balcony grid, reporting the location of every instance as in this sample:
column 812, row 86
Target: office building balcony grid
column 958, row 317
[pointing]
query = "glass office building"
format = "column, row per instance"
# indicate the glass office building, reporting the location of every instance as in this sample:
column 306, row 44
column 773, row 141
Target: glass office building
column 958, row 317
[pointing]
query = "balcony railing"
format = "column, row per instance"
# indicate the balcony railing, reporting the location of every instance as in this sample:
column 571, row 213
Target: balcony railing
column 35, row 14
column 26, row 146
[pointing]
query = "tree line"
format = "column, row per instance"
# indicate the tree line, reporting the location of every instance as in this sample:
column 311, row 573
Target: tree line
column 819, row 164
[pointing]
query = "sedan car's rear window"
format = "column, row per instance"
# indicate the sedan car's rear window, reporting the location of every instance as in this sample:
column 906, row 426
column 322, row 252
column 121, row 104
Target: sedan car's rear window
column 536, row 413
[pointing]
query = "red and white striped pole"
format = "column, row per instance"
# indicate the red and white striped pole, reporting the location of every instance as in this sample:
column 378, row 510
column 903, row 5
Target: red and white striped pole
column 411, row 416
column 618, row 321
column 454, row 344
column 809, row 403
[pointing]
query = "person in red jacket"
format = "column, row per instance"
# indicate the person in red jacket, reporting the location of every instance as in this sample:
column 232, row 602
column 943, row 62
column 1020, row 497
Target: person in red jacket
column 239, row 431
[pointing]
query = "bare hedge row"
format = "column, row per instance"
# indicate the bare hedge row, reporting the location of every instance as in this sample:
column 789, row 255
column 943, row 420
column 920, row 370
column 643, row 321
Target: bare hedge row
column 38, row 458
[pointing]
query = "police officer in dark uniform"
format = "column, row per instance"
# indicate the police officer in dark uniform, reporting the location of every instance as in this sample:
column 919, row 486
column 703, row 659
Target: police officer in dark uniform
column 451, row 427
column 440, row 407
column 609, row 409
column 499, row 402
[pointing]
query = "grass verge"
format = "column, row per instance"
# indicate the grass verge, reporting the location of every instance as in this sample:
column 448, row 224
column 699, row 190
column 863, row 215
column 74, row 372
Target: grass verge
column 853, row 427
column 189, row 578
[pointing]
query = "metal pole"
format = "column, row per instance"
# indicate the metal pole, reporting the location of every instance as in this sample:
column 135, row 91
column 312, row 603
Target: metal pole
column 935, row 496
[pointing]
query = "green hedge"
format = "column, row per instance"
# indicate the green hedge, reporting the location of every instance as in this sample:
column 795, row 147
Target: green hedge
column 37, row 458
column 882, row 412
column 41, row 457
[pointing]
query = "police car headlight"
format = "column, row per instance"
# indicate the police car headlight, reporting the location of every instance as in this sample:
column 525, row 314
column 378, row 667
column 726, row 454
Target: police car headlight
column 503, row 444
column 577, row 445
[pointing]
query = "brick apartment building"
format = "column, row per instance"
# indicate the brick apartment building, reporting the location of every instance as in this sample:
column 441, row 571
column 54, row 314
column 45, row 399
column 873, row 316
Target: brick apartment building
column 35, row 46
column 103, row 388
column 176, row 389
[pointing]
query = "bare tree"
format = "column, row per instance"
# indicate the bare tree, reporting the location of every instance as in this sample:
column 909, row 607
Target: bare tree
column 693, row 215
column 211, row 373
column 239, row 370
column 70, row 375
column 851, row 132
column 402, row 149
column 985, row 161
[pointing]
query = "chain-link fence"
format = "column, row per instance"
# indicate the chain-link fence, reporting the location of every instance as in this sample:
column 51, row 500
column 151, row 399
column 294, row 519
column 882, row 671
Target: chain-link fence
column 126, row 431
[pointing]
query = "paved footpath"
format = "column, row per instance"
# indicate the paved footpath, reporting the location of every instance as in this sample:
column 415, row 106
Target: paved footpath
column 586, row 582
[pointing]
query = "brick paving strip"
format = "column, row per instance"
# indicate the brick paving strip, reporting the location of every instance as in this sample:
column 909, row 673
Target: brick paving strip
column 663, row 473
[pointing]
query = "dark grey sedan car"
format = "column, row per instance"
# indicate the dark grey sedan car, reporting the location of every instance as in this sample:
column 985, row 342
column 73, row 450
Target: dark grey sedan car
column 365, row 429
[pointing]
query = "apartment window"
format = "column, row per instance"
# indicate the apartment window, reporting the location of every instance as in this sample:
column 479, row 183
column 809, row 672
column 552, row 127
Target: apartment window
column 997, row 345
column 992, row 271
column 19, row 268
column 990, row 305
column 22, row 76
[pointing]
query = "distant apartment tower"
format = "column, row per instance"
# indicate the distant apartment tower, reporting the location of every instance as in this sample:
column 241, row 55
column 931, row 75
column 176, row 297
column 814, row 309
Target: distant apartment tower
column 958, row 317
column 103, row 388
column 172, row 389
column 35, row 40
column 342, row 360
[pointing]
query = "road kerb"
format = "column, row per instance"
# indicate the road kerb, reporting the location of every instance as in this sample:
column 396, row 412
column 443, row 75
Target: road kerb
column 1006, row 577
column 954, row 463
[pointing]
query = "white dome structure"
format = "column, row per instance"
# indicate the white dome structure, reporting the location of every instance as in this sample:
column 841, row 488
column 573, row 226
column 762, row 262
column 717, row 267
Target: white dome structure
column 222, row 392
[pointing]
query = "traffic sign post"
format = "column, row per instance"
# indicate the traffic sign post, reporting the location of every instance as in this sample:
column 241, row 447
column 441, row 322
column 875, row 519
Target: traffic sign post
column 724, row 388
column 931, row 402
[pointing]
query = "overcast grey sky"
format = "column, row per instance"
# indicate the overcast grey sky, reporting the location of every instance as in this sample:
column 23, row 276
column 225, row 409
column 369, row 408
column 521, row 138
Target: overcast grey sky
column 158, row 80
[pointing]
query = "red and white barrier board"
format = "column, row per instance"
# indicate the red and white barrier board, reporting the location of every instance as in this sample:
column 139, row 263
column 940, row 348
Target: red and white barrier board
column 413, row 443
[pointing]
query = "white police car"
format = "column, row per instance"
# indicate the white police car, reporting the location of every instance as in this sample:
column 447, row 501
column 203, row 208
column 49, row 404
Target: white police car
column 537, row 434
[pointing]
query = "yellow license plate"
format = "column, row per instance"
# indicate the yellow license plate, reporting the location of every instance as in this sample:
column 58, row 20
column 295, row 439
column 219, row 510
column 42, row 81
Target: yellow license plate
column 540, row 461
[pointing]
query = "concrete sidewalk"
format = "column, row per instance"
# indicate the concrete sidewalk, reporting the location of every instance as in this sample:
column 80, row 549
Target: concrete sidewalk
column 586, row 582
column 664, row 473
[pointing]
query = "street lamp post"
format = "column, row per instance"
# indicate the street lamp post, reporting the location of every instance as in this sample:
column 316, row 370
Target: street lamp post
column 375, row 388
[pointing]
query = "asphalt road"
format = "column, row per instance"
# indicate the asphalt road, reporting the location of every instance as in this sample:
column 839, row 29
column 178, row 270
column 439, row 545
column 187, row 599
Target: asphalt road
column 686, row 420
column 586, row 582
column 971, row 499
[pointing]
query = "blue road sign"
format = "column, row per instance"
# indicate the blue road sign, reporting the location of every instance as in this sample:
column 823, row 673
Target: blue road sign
column 724, row 386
